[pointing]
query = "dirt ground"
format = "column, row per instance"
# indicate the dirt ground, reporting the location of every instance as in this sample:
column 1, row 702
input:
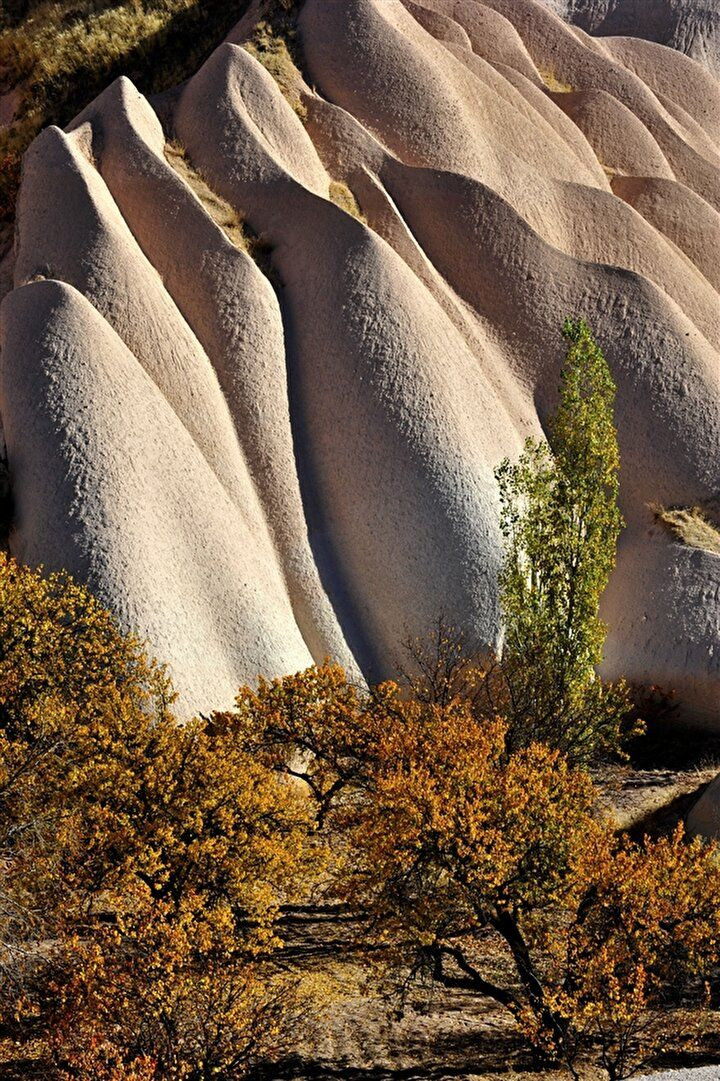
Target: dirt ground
column 447, row 1035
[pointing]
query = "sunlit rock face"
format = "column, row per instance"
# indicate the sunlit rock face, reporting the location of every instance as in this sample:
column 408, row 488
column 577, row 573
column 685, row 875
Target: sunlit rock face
column 260, row 463
column 691, row 26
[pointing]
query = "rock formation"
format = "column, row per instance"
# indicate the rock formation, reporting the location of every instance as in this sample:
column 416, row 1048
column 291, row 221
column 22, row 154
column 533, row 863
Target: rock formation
column 691, row 26
column 261, row 453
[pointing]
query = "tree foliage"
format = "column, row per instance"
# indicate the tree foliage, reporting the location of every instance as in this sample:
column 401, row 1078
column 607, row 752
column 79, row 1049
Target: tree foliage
column 143, row 863
column 561, row 522
column 487, row 868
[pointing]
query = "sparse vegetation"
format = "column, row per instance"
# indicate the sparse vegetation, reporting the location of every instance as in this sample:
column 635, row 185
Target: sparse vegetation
column 61, row 54
column 231, row 222
column 223, row 214
column 342, row 196
column 553, row 83
column 691, row 526
column 218, row 208
column 275, row 45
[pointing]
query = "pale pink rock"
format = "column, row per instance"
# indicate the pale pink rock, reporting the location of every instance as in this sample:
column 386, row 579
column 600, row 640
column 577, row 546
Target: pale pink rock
column 254, row 472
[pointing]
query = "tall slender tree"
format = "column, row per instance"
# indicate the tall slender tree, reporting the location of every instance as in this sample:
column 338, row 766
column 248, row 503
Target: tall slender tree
column 561, row 522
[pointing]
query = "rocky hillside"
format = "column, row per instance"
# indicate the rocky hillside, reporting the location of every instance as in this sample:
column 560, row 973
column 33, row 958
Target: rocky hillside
column 268, row 334
column 692, row 26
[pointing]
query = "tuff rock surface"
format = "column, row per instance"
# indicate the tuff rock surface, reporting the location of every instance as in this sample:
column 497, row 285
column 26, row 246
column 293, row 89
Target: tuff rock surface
column 255, row 471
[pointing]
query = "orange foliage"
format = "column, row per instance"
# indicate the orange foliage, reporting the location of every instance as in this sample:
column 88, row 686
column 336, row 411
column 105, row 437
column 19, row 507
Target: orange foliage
column 467, row 859
column 144, row 864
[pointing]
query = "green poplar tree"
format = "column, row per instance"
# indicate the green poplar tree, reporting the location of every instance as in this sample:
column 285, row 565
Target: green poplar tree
column 561, row 522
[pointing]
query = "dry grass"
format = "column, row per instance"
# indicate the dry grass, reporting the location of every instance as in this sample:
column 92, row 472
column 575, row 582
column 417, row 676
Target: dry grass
column 51, row 45
column 62, row 54
column 222, row 213
column 273, row 53
column 690, row 526
column 554, row 84
column 219, row 210
column 274, row 43
column 341, row 195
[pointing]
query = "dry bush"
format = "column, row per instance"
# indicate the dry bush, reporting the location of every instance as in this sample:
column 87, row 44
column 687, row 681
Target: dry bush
column 143, row 864
column 342, row 196
column 690, row 526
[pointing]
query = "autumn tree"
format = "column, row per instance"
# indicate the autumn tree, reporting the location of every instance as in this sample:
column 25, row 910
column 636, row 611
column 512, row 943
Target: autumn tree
column 490, row 868
column 144, row 863
column 561, row 522
column 633, row 964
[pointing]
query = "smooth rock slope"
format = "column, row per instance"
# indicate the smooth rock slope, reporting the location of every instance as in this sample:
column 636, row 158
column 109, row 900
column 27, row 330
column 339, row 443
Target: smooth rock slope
column 263, row 452
column 691, row 26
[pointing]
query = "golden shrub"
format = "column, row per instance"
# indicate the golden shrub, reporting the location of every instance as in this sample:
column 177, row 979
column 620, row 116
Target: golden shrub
column 492, row 870
column 144, row 863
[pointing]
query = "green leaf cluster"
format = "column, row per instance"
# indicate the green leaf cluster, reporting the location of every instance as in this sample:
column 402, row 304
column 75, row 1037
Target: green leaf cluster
column 561, row 522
